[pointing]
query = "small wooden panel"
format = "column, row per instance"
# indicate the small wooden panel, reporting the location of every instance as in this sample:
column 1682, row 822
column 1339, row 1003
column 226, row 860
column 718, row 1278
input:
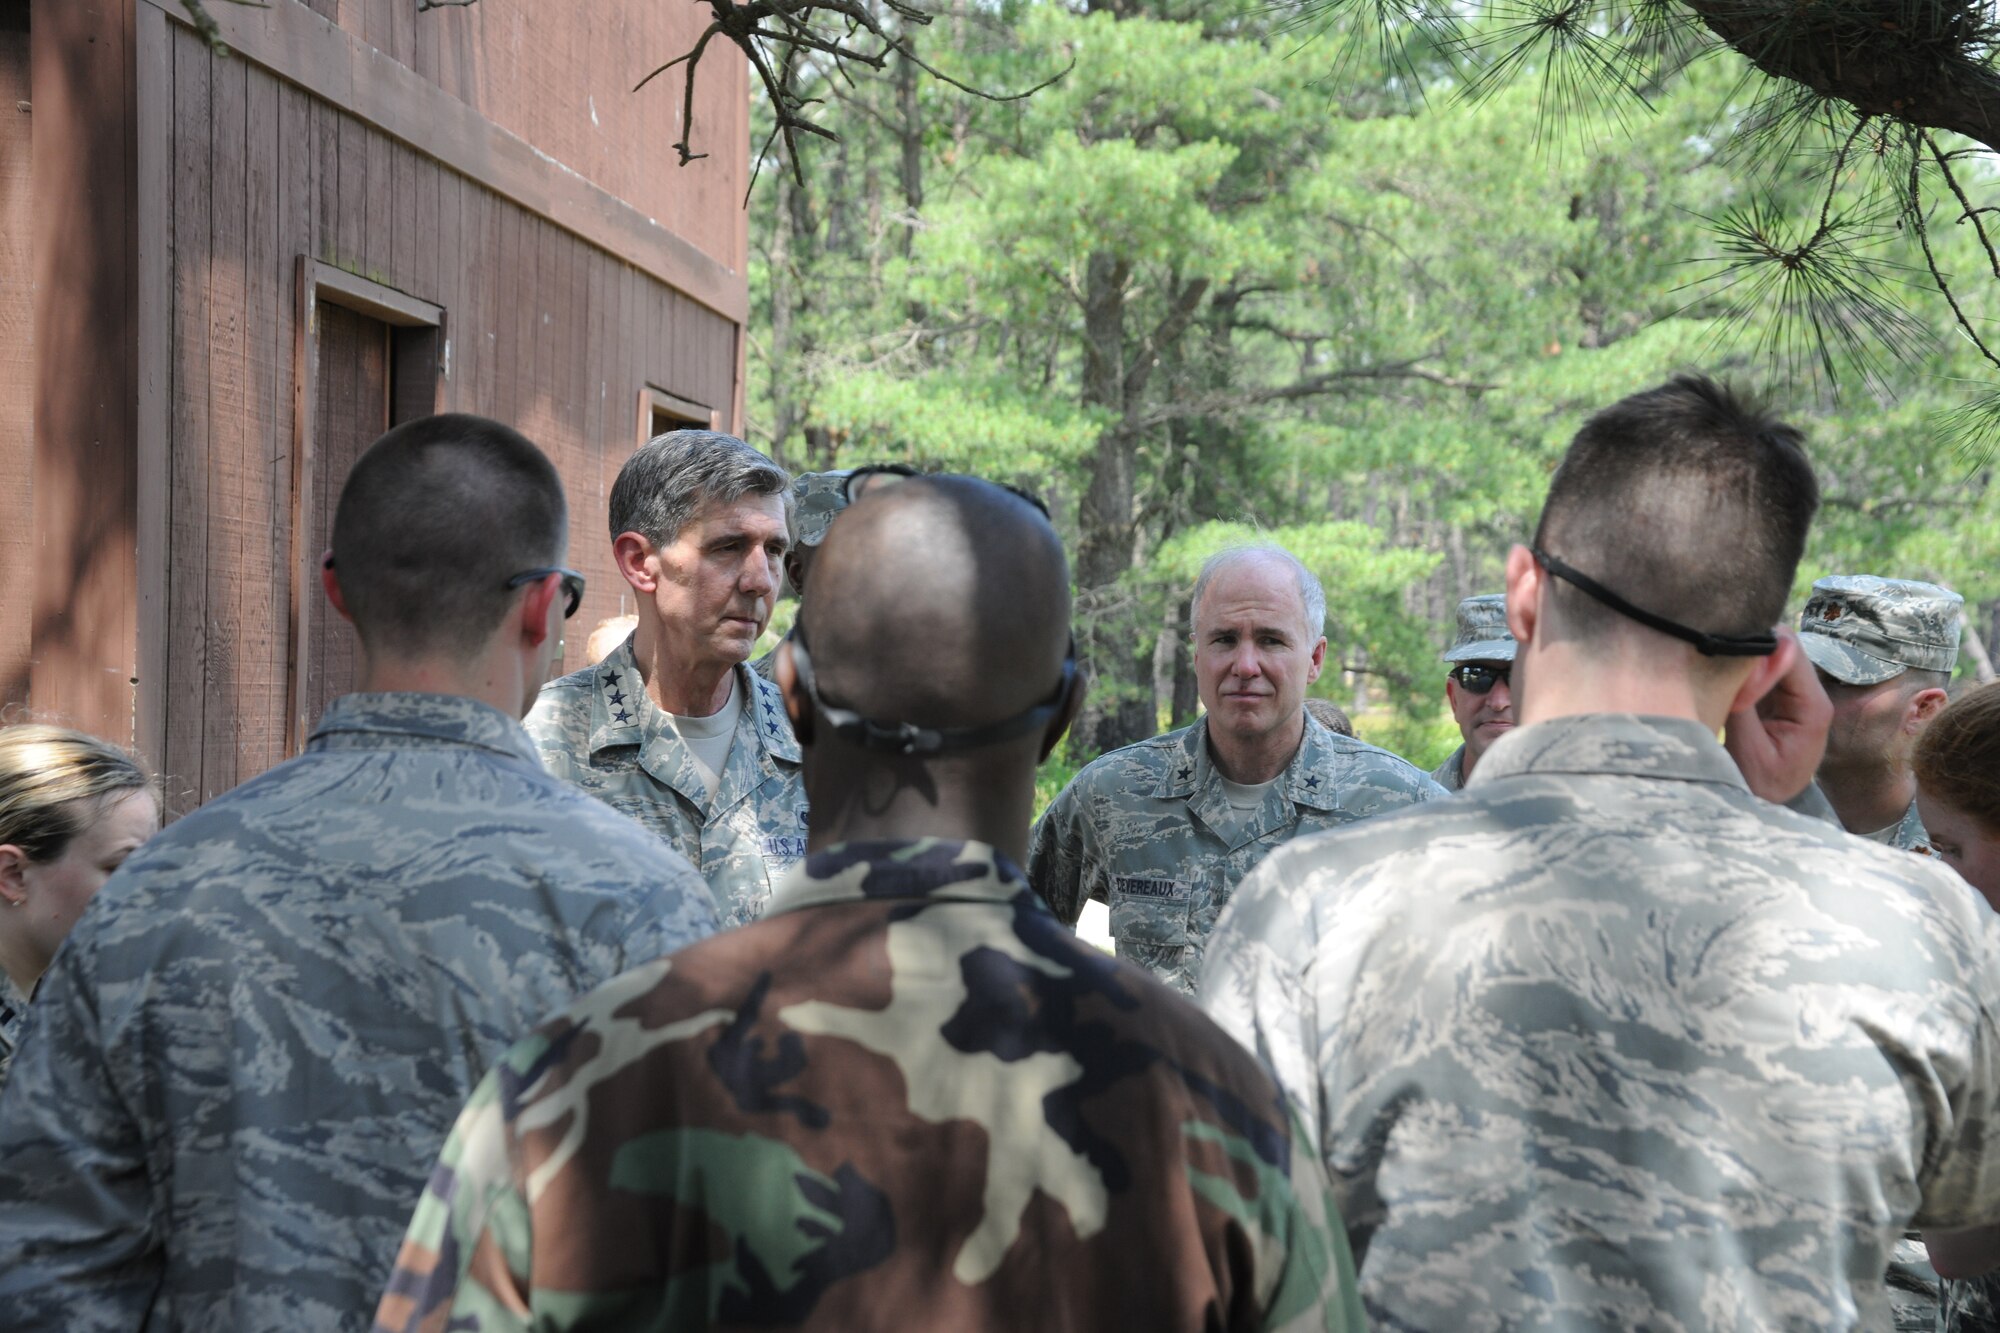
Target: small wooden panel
column 84, row 164
column 228, row 484
column 17, row 361
column 265, row 586
column 153, row 328
column 188, row 500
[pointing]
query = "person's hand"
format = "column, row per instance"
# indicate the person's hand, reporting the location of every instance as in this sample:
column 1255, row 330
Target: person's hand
column 1778, row 744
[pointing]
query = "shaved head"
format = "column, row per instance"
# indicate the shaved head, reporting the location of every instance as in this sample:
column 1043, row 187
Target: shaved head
column 942, row 602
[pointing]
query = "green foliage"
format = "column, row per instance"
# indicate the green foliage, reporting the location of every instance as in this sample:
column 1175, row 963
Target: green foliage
column 1425, row 739
column 953, row 423
column 1396, row 314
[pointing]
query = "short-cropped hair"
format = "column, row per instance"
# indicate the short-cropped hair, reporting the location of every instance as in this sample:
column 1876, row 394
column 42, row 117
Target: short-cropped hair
column 673, row 477
column 1311, row 595
column 434, row 519
column 1957, row 759
column 1688, row 502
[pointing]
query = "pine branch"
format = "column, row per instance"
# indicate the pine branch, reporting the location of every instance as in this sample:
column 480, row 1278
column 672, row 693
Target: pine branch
column 1924, row 62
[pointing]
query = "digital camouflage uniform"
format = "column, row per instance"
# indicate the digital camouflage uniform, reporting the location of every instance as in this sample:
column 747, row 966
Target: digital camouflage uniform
column 817, row 498
column 1148, row 831
column 1971, row 1306
column 907, row 1098
column 1481, row 636
column 599, row 729
column 1608, row 1042
column 245, row 1057
column 13, row 1013
column 1866, row 630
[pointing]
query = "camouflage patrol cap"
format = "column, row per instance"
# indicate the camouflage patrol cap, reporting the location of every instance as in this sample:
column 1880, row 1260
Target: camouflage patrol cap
column 819, row 497
column 1483, row 635
column 1863, row 630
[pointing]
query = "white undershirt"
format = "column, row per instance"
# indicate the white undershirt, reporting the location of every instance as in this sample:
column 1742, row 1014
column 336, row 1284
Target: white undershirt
column 708, row 738
column 1242, row 798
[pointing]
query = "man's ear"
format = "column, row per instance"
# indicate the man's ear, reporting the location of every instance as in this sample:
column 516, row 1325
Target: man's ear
column 1765, row 673
column 13, row 875
column 1524, row 593
column 329, row 580
column 798, row 707
column 795, row 573
column 1318, row 660
column 1451, row 693
column 1079, row 689
column 1923, row 706
column 633, row 555
column 535, row 609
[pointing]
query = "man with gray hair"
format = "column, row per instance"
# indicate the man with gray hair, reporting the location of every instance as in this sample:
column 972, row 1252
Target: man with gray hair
column 672, row 728
column 1162, row 831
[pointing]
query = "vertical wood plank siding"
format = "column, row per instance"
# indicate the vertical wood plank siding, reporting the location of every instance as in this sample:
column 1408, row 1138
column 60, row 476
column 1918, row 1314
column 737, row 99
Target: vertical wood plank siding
column 83, row 623
column 17, row 373
column 541, row 329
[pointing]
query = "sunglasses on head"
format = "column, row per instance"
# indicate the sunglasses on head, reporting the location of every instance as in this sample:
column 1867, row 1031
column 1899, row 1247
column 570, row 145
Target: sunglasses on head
column 1481, row 677
column 888, row 474
column 572, row 585
column 891, row 473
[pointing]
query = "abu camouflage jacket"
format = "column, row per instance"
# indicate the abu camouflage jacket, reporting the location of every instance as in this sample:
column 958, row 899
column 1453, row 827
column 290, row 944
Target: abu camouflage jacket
column 599, row 729
column 907, row 1098
column 1148, row 831
column 1605, row 1041
column 244, row 1058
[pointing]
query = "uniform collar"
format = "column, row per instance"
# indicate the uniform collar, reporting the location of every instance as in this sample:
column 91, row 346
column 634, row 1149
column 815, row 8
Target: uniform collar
column 1307, row 780
column 1617, row 744
column 622, row 713
column 935, row 869
column 351, row 719
column 1451, row 773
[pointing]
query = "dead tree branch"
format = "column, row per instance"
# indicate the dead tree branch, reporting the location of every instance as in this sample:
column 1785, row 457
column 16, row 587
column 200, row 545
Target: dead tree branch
column 775, row 35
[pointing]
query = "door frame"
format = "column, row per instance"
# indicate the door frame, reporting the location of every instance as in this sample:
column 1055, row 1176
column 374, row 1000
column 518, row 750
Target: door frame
column 319, row 282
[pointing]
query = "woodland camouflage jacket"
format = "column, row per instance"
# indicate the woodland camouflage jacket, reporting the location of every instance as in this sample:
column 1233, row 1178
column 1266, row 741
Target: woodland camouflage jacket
column 906, row 1098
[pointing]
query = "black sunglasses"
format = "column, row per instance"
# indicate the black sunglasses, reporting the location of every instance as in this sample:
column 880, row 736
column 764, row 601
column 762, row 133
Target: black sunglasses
column 572, row 585
column 1481, row 677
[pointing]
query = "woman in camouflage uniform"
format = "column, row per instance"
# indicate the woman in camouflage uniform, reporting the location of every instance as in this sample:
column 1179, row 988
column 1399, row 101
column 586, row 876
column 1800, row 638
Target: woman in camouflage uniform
column 72, row 807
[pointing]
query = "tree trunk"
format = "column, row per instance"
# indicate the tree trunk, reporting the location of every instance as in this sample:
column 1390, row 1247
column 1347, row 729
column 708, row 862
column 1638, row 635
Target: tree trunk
column 1187, row 690
column 1968, row 637
column 784, row 295
column 910, row 136
column 1120, row 708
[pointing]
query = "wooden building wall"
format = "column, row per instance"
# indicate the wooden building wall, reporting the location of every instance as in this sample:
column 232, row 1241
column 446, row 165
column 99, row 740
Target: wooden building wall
column 561, row 77
column 541, row 330
column 181, row 197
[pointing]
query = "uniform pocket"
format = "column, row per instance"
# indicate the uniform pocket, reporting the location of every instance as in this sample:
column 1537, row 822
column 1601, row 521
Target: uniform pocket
column 1150, row 911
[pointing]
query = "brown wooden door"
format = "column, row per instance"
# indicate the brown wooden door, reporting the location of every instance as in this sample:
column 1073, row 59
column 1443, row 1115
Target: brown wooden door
column 350, row 411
